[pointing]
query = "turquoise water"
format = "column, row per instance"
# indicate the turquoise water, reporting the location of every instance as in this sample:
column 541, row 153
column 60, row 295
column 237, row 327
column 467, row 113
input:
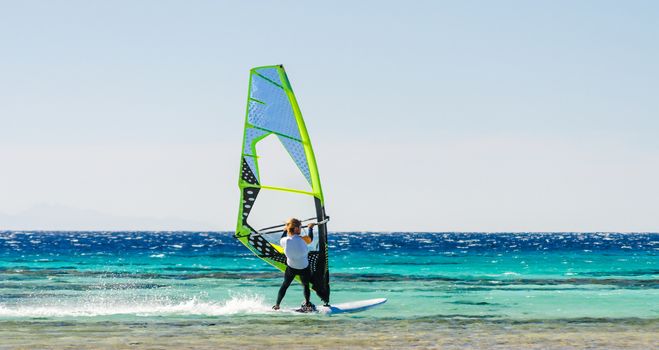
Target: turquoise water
column 490, row 284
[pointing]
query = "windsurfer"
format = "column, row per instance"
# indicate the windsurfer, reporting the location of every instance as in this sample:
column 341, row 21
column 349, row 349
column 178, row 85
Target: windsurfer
column 297, row 261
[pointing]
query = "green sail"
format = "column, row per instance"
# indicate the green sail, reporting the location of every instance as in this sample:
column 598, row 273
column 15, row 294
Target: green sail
column 278, row 175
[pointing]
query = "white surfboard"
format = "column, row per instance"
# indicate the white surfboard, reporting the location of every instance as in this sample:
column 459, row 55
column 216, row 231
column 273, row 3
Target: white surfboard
column 349, row 307
column 352, row 306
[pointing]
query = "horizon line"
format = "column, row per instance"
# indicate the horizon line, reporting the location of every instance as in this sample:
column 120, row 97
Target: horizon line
column 341, row 232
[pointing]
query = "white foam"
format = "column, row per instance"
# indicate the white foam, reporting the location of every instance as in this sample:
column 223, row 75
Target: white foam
column 245, row 304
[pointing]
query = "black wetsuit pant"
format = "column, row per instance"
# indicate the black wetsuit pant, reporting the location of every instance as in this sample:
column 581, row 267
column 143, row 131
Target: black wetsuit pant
column 289, row 276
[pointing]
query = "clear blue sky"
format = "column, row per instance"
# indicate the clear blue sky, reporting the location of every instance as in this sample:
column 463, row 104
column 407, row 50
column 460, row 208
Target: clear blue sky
column 437, row 116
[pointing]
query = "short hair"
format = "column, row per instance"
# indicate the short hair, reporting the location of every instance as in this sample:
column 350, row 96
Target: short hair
column 294, row 223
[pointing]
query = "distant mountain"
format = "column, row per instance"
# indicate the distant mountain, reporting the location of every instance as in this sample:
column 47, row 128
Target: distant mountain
column 61, row 218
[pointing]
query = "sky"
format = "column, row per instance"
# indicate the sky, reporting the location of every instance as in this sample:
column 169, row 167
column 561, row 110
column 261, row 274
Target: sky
column 443, row 116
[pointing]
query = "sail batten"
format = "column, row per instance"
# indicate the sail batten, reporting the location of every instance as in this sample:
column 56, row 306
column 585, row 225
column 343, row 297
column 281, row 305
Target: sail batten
column 276, row 133
column 270, row 191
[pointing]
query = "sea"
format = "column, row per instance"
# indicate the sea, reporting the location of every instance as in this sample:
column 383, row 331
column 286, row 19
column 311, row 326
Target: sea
column 204, row 290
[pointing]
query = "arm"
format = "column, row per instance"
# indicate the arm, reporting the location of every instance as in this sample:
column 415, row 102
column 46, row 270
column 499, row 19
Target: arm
column 309, row 238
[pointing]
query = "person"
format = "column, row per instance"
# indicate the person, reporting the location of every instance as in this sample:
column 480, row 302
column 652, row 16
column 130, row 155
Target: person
column 297, row 261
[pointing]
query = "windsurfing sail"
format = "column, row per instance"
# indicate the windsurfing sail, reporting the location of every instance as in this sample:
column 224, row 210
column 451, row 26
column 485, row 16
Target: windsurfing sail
column 278, row 176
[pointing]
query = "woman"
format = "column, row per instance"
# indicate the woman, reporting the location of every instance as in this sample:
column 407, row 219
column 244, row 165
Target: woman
column 297, row 261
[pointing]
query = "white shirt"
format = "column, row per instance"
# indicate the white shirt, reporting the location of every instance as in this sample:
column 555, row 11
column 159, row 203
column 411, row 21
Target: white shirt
column 296, row 251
